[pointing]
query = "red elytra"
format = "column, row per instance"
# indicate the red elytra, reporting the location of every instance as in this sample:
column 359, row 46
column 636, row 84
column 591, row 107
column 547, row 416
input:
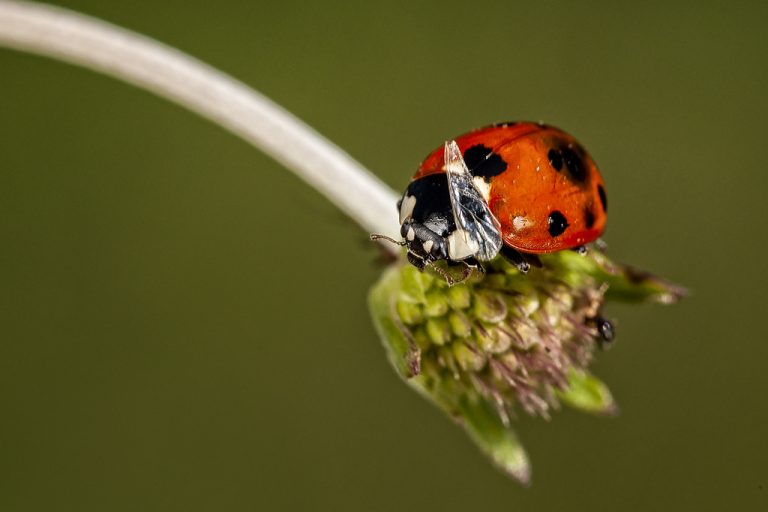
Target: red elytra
column 543, row 187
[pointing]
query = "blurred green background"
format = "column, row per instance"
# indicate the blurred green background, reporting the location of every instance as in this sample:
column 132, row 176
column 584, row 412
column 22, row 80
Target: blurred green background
column 183, row 323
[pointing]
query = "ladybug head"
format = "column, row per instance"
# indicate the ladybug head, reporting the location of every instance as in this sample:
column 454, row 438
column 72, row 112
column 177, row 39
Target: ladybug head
column 424, row 245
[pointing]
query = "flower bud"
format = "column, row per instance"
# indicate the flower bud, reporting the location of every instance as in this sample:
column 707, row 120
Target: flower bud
column 503, row 340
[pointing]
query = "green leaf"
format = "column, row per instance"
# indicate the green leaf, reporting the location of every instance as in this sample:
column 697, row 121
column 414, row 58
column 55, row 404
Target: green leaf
column 588, row 393
column 631, row 285
column 625, row 283
column 486, row 428
column 628, row 284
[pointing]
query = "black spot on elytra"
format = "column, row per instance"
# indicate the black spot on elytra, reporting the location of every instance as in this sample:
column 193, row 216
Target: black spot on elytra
column 555, row 159
column 482, row 161
column 603, row 199
column 574, row 163
column 589, row 217
column 557, row 223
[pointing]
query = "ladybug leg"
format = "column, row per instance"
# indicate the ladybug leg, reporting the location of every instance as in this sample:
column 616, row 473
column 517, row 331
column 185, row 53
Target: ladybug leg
column 516, row 258
column 582, row 250
column 605, row 330
column 474, row 264
column 416, row 261
column 532, row 260
column 449, row 279
column 470, row 263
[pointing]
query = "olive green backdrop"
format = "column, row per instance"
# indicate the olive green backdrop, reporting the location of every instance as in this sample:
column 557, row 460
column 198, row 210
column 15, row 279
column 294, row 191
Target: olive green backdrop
column 183, row 323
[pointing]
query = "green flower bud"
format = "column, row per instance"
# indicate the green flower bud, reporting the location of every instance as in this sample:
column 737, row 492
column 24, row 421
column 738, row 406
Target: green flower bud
column 505, row 340
column 468, row 358
column 461, row 326
column 438, row 330
column 409, row 312
column 459, row 296
column 489, row 306
column 436, row 303
column 421, row 338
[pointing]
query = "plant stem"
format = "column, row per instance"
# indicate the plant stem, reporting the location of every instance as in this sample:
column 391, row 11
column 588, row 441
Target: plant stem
column 169, row 73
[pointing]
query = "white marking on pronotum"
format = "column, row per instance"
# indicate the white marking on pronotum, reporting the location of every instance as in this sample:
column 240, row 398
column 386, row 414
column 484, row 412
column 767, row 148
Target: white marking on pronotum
column 428, row 246
column 461, row 246
column 410, row 235
column 406, row 207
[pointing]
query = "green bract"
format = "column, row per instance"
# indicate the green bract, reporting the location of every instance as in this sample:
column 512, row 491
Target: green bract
column 506, row 340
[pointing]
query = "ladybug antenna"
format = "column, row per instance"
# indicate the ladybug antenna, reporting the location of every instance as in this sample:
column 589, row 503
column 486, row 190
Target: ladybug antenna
column 374, row 236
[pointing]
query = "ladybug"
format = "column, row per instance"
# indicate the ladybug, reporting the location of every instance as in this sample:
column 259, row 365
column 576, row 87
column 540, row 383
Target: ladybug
column 519, row 189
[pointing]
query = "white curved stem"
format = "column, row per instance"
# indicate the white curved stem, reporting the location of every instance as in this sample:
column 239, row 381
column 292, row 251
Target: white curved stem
column 117, row 52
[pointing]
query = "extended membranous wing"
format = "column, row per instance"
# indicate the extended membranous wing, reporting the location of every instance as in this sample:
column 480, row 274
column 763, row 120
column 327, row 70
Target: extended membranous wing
column 478, row 232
